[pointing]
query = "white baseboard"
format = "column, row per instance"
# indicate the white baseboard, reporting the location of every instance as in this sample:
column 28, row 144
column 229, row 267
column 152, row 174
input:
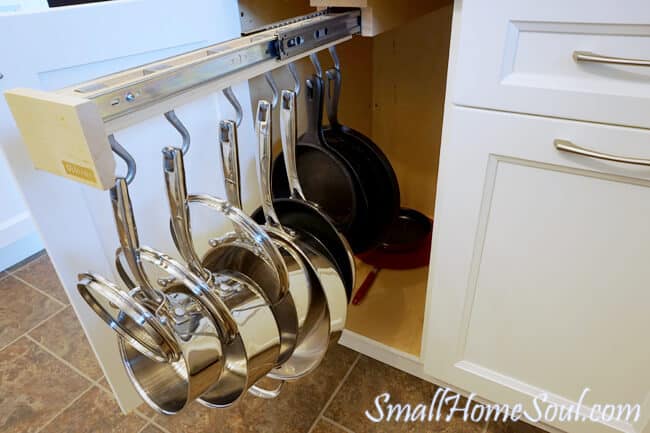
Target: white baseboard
column 18, row 240
column 20, row 250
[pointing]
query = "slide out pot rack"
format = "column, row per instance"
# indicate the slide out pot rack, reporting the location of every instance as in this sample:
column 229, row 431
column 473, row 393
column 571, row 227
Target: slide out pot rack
column 66, row 131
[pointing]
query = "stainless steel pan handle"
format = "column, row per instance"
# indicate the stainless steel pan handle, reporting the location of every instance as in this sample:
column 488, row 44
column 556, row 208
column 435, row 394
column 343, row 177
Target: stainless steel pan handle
column 567, row 146
column 264, row 158
column 587, row 56
column 288, row 134
column 174, row 171
column 230, row 161
column 128, row 235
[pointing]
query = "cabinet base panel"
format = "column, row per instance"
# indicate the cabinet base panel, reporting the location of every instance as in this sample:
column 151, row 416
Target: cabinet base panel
column 392, row 313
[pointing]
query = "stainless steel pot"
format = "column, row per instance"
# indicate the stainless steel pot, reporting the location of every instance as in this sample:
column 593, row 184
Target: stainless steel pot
column 167, row 386
column 232, row 251
column 256, row 348
column 150, row 323
column 247, row 357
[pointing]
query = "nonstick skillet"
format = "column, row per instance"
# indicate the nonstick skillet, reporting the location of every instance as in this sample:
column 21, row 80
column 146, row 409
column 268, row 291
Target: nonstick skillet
column 371, row 165
column 295, row 212
column 327, row 178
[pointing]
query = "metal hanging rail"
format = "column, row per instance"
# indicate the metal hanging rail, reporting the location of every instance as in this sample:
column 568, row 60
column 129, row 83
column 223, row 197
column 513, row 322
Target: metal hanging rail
column 122, row 93
column 66, row 130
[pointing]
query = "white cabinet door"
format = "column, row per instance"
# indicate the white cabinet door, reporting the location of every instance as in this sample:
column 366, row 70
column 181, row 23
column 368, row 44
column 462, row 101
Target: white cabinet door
column 63, row 46
column 540, row 280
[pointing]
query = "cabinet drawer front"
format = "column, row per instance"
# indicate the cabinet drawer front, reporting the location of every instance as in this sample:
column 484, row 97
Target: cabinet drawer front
column 520, row 56
column 539, row 270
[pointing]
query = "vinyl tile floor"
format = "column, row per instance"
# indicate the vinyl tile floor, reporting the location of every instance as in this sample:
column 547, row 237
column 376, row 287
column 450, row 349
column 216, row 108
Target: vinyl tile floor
column 50, row 381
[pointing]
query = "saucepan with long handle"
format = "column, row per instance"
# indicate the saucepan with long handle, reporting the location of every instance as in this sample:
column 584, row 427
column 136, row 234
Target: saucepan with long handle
column 299, row 218
column 170, row 385
column 257, row 347
column 305, row 288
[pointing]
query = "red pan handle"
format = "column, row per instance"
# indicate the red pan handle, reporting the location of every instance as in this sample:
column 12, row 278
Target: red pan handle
column 365, row 286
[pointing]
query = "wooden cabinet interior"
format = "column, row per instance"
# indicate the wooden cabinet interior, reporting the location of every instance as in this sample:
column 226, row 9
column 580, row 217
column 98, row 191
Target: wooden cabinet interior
column 379, row 16
column 393, row 91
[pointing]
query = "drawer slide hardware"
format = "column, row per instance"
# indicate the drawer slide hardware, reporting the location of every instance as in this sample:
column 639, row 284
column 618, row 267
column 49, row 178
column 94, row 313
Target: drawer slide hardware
column 69, row 127
column 124, row 92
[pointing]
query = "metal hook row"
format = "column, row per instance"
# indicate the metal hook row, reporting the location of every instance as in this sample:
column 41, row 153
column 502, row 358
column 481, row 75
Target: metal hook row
column 124, row 154
column 316, row 62
column 232, row 99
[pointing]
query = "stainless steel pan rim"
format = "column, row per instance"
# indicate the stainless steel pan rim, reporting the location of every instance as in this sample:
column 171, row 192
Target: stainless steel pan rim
column 146, row 332
column 315, row 330
column 249, row 354
column 329, row 275
column 230, row 252
column 169, row 387
column 226, row 325
column 255, row 348
column 313, row 314
column 305, row 306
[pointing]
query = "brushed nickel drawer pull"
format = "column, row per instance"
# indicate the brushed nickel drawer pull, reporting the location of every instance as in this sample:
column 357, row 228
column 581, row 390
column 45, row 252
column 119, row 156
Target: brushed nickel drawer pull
column 587, row 56
column 567, row 146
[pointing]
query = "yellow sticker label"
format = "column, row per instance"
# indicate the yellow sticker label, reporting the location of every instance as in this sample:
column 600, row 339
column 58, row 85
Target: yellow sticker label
column 78, row 171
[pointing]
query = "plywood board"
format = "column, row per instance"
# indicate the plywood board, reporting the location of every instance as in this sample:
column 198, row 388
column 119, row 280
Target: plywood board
column 379, row 16
column 409, row 81
column 392, row 312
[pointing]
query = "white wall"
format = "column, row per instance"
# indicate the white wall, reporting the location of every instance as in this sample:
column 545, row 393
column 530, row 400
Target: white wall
column 22, row 5
column 18, row 236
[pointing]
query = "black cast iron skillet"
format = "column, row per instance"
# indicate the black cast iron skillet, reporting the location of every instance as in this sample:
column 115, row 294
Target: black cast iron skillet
column 371, row 165
column 299, row 214
column 327, row 178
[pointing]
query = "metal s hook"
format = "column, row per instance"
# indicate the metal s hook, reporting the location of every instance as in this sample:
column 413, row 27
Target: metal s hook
column 274, row 88
column 125, row 156
column 178, row 125
column 230, row 96
column 295, row 76
column 335, row 58
column 314, row 61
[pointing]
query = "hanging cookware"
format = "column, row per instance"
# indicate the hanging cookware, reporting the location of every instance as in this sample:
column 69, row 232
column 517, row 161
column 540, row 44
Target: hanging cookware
column 129, row 317
column 301, row 218
column 315, row 330
column 171, row 385
column 198, row 334
column 320, row 236
column 304, row 287
column 327, row 178
column 373, row 168
column 256, row 349
column 406, row 245
column 231, row 253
